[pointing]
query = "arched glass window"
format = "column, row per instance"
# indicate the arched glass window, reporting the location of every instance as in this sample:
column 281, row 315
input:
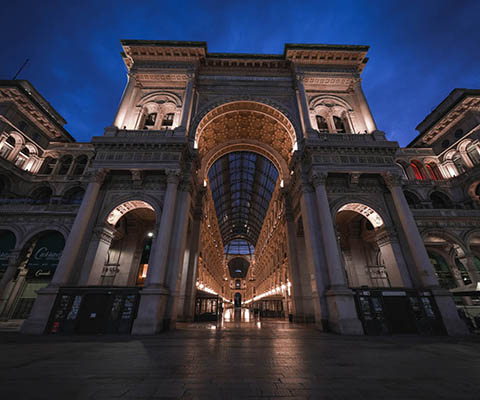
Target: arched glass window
column 416, row 168
column 339, row 124
column 473, row 153
column 150, row 121
column 322, row 124
column 65, row 161
column 444, row 275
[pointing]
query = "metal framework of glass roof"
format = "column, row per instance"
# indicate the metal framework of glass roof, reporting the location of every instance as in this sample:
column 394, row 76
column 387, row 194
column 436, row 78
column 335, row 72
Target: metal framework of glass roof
column 242, row 184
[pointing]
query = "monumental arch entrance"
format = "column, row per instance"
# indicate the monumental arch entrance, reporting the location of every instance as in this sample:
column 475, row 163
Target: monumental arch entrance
column 245, row 149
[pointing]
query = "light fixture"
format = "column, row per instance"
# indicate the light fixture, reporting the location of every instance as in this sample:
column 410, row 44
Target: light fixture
column 150, row 234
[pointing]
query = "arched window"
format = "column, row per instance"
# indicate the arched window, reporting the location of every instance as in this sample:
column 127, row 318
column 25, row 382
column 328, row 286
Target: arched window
column 440, row 200
column 433, row 171
column 22, row 157
column 473, row 153
column 412, row 199
column 322, row 124
column 417, row 170
column 65, row 163
column 167, row 121
column 444, row 275
column 80, row 165
column 7, row 147
column 150, row 120
column 339, row 124
column 459, row 163
column 48, row 166
column 41, row 195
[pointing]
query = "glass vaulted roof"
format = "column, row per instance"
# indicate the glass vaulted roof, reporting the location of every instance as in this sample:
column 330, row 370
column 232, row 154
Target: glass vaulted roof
column 242, row 184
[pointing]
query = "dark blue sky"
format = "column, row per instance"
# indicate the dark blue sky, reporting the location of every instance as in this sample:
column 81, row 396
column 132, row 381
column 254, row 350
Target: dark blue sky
column 419, row 52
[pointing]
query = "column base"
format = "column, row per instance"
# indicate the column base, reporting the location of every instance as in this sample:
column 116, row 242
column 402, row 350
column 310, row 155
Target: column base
column 151, row 312
column 342, row 314
column 36, row 323
column 454, row 325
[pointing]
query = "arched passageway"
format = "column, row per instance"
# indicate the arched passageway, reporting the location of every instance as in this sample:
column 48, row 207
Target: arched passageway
column 371, row 255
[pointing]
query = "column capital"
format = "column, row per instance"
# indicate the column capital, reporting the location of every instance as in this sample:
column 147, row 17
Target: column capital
column 319, row 178
column 392, row 180
column 173, row 175
column 97, row 175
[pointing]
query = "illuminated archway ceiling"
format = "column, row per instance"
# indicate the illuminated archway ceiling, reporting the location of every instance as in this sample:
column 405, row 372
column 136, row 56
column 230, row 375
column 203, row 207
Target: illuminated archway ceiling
column 249, row 125
column 242, row 184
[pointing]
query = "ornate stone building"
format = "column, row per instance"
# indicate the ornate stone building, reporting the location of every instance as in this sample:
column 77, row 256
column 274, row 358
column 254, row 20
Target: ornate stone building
column 237, row 180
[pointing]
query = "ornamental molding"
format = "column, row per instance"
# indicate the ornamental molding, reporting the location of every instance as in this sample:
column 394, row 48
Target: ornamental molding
column 26, row 107
column 450, row 118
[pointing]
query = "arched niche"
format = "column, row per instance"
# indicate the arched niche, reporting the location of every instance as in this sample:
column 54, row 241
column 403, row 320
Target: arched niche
column 246, row 120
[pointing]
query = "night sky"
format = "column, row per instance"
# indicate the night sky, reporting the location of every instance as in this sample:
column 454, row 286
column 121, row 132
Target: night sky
column 418, row 53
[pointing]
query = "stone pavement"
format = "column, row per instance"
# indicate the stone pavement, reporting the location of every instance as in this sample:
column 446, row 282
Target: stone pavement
column 236, row 361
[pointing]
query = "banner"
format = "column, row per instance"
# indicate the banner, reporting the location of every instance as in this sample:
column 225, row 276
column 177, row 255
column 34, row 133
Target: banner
column 45, row 256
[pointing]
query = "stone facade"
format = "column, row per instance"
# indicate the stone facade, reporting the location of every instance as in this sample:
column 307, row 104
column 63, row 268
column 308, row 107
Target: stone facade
column 350, row 213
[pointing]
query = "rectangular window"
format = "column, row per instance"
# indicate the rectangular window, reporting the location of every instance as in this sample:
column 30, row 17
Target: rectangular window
column 167, row 121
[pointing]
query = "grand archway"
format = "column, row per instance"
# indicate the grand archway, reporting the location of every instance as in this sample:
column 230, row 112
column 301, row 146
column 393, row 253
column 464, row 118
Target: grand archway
column 245, row 148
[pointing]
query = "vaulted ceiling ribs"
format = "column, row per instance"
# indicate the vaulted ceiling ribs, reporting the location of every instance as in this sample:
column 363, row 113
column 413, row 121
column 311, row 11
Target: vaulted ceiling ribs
column 242, row 184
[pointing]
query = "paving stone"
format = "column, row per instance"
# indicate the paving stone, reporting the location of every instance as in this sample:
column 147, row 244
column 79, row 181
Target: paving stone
column 239, row 363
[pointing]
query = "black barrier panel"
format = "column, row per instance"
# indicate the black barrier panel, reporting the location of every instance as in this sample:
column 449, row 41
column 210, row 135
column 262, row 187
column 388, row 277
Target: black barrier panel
column 398, row 311
column 94, row 310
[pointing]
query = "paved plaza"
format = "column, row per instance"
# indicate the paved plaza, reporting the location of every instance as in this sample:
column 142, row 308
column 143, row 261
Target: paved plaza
column 239, row 360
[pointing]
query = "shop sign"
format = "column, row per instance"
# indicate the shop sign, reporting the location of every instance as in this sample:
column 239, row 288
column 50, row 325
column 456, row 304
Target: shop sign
column 45, row 256
column 7, row 243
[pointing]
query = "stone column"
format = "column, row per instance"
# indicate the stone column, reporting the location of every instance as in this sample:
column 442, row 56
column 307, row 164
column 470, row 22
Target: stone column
column 187, row 102
column 395, row 265
column 177, row 254
column 293, row 265
column 96, row 255
column 304, row 110
column 341, row 306
column 453, row 324
column 38, row 319
column 191, row 275
column 5, row 283
column 315, row 255
column 156, row 273
column 364, row 108
column 154, row 296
